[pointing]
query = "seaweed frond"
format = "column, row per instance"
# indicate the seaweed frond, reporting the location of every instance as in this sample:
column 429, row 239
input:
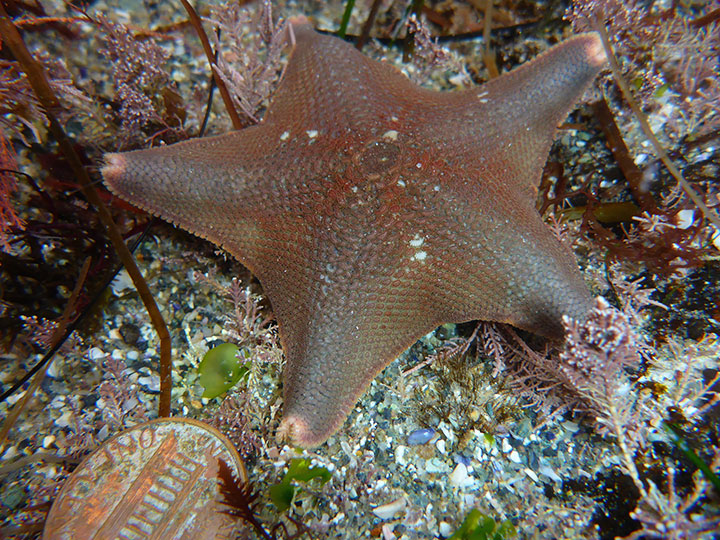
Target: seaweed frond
column 241, row 501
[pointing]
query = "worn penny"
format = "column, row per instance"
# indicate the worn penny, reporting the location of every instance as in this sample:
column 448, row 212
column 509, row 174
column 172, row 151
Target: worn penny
column 157, row 480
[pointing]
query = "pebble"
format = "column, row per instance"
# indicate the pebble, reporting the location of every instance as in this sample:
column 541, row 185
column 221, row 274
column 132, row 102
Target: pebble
column 532, row 475
column 459, row 475
column 66, row 419
column 130, row 333
column 447, row 430
column 54, row 370
column 445, row 529
column 122, row 283
column 386, row 511
column 420, row 436
column 95, row 353
column 441, row 446
column 400, row 455
column 550, row 473
column 152, row 383
column 436, row 465
column 10, row 453
column 715, row 238
column 58, row 402
column 685, row 218
column 115, row 334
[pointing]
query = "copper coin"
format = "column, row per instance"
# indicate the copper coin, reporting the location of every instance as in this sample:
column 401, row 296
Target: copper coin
column 156, row 480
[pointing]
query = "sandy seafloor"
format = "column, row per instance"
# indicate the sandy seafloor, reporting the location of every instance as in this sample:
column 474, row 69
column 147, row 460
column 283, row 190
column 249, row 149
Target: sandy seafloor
column 550, row 480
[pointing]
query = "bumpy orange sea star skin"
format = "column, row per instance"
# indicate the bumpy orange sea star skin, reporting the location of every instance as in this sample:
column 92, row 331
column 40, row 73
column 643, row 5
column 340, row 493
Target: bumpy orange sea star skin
column 372, row 210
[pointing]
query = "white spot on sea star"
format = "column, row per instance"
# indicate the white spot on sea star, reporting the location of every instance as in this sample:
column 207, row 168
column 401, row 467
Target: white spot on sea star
column 312, row 133
column 391, row 134
column 401, row 183
column 285, row 136
column 417, row 241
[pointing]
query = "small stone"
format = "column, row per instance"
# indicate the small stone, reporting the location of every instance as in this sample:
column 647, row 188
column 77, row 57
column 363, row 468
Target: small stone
column 54, row 370
column 531, row 474
column 400, row 455
column 436, row 465
column 14, row 496
column 685, row 218
column 420, row 436
column 445, row 529
column 58, row 402
column 130, row 333
column 65, row 420
column 447, row 430
column 386, row 511
column 550, row 473
column 441, row 446
column 179, row 76
column 151, row 383
column 121, row 283
column 459, row 475
column 96, row 353
column 10, row 453
column 715, row 238
column 115, row 334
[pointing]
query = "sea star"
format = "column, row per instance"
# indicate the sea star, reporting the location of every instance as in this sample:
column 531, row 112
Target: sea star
column 373, row 210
